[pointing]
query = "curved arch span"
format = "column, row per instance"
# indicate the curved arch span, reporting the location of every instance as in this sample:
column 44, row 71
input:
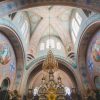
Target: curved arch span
column 18, row 49
column 34, row 68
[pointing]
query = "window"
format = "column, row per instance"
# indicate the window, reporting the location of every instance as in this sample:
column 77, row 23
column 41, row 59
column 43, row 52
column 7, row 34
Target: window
column 50, row 43
column 73, row 37
column 24, row 28
column 76, row 22
column 42, row 46
column 12, row 15
column 97, row 82
column 87, row 12
column 58, row 45
column 78, row 18
column 75, row 26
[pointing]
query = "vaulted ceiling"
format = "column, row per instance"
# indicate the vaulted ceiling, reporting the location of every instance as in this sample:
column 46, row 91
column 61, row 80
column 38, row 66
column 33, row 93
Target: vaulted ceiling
column 53, row 20
column 9, row 6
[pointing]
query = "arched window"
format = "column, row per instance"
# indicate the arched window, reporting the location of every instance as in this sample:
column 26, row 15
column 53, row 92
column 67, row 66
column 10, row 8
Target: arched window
column 50, row 43
column 97, row 82
column 54, row 43
column 58, row 45
column 42, row 46
column 75, row 27
column 78, row 18
column 76, row 22
column 6, row 83
column 73, row 37
column 24, row 28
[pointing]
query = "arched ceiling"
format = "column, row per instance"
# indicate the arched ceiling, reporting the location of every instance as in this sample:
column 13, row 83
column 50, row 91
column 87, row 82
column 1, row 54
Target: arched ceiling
column 53, row 20
column 39, row 16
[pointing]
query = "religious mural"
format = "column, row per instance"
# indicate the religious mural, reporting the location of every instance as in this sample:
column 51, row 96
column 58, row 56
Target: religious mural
column 7, row 60
column 4, row 53
column 96, row 50
column 93, row 54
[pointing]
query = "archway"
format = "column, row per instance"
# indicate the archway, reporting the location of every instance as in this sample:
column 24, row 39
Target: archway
column 97, row 82
column 88, row 32
column 18, row 49
column 66, row 79
column 5, row 83
column 64, row 66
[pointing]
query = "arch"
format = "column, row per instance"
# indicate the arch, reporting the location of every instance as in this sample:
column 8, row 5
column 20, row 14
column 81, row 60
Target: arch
column 29, row 57
column 13, row 6
column 18, row 50
column 35, row 67
column 5, row 83
column 87, row 33
column 71, row 55
column 97, row 82
column 62, row 67
column 65, row 78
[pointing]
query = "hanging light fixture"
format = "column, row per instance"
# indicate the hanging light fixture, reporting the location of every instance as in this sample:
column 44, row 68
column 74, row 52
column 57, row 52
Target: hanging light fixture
column 50, row 62
column 50, row 89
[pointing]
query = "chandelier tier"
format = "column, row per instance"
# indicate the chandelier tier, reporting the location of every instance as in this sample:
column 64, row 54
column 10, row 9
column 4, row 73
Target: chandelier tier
column 50, row 62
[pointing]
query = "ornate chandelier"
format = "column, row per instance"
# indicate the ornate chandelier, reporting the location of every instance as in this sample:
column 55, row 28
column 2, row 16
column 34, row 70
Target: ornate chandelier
column 50, row 62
